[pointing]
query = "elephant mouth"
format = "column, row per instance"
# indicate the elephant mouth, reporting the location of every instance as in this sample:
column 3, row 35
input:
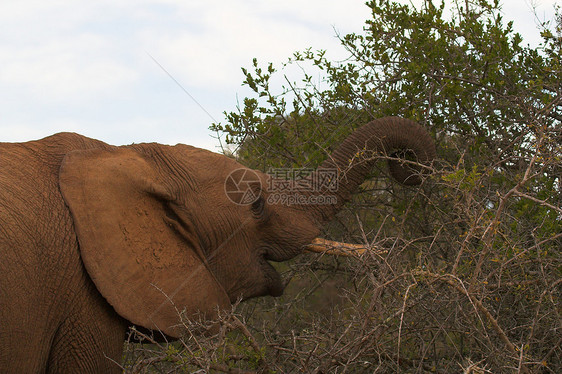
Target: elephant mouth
column 274, row 282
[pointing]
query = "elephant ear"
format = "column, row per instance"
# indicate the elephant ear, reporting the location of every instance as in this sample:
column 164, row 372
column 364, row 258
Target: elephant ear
column 148, row 267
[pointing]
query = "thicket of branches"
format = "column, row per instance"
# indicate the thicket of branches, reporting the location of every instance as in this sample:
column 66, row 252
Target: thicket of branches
column 465, row 272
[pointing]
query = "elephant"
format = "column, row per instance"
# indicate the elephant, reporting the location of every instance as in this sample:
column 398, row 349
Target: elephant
column 96, row 238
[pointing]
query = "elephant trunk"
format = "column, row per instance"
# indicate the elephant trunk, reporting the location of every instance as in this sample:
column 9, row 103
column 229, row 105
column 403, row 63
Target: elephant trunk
column 353, row 160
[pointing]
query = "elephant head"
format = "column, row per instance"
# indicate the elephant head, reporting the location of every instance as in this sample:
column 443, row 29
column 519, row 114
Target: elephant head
column 161, row 229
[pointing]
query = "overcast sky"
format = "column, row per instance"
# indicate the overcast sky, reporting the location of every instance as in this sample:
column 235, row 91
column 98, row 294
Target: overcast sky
column 88, row 67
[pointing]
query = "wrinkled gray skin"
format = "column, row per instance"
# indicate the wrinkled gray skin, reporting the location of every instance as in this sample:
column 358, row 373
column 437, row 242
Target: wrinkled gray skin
column 95, row 238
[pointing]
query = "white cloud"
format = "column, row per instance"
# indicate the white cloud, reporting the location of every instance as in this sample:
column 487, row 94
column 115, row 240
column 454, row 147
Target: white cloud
column 221, row 37
column 82, row 66
column 67, row 69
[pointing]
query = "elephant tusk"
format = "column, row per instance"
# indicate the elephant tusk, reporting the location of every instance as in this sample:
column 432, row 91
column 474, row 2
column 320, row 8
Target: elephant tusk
column 320, row 245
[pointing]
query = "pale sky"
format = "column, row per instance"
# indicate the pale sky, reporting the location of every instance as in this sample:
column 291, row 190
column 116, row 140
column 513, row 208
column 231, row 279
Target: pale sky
column 86, row 67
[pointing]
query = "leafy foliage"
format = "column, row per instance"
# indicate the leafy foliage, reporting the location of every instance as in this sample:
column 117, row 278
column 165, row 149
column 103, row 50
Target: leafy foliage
column 466, row 270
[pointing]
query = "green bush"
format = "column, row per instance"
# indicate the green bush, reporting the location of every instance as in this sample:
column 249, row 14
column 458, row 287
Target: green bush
column 465, row 272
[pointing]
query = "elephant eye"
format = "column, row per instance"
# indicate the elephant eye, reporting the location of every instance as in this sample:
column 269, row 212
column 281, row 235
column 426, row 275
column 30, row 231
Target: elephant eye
column 258, row 208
